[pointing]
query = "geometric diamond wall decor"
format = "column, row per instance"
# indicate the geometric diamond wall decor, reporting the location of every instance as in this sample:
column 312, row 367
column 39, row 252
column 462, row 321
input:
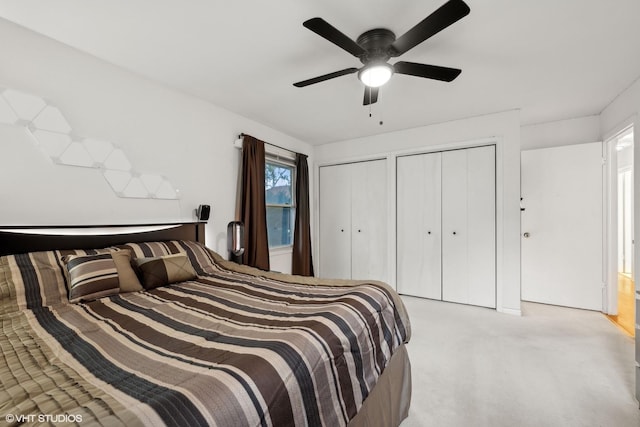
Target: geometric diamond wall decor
column 98, row 150
column 166, row 191
column 117, row 160
column 54, row 135
column 51, row 119
column 24, row 105
column 151, row 183
column 76, row 155
column 118, row 180
column 135, row 188
column 52, row 143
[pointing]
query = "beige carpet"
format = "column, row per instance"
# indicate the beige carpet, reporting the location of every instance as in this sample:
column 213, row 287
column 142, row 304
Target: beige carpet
column 553, row 366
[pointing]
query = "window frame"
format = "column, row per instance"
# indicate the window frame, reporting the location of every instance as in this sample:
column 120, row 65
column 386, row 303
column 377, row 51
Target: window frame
column 278, row 160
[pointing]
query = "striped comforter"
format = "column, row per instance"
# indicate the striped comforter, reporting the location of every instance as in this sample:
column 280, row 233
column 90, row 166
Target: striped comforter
column 234, row 347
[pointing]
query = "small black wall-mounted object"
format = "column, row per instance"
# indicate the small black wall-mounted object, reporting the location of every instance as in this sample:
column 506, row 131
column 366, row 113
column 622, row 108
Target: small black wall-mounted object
column 203, row 212
column 235, row 241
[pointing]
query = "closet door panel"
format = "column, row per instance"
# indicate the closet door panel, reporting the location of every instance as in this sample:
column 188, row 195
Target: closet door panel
column 369, row 220
column 481, row 230
column 335, row 222
column 455, row 238
column 418, row 225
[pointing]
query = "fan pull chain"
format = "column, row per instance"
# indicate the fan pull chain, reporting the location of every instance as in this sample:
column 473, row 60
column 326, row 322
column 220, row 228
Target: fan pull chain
column 371, row 104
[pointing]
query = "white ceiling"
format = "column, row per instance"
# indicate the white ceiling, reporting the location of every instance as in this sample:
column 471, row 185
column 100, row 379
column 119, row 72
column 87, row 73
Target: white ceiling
column 552, row 59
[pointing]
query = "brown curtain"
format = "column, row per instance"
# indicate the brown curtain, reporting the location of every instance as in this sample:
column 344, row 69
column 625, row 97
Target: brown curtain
column 254, row 211
column 302, row 262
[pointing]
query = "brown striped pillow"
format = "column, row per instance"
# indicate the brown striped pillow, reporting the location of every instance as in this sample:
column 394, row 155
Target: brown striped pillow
column 164, row 270
column 153, row 249
column 91, row 276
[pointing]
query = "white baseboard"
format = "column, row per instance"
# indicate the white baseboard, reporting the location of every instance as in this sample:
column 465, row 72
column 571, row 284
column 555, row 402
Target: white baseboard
column 512, row 311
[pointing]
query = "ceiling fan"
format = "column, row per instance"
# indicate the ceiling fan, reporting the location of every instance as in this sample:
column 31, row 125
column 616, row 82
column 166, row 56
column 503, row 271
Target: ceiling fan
column 375, row 47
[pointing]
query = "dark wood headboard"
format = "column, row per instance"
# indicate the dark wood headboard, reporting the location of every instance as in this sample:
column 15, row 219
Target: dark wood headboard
column 22, row 239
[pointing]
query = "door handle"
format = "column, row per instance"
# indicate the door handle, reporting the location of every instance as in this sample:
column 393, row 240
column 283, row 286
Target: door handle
column 526, row 235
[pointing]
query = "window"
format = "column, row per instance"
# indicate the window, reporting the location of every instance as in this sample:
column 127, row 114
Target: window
column 279, row 179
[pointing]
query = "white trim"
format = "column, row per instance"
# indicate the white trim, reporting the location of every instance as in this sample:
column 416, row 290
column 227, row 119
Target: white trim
column 458, row 145
column 278, row 155
column 610, row 229
column 510, row 311
column 609, row 302
column 610, row 222
column 290, row 164
column 281, row 250
column 446, row 146
column 621, row 127
column 349, row 160
column 500, row 226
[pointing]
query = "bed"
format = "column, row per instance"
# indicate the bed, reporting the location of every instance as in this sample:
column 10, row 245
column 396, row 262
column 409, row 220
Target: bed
column 190, row 339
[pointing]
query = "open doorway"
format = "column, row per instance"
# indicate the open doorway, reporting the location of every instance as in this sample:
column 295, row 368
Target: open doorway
column 621, row 307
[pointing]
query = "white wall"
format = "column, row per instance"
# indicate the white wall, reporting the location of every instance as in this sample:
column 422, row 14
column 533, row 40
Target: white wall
column 502, row 128
column 562, row 132
column 162, row 131
column 621, row 112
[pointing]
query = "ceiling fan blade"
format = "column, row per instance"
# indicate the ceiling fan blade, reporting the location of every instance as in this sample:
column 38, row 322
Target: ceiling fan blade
column 435, row 72
column 370, row 95
column 447, row 14
column 326, row 77
column 326, row 30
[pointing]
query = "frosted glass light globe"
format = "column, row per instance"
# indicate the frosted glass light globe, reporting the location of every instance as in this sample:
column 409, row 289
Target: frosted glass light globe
column 375, row 75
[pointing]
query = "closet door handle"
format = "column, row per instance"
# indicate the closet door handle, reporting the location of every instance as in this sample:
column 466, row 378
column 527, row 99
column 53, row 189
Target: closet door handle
column 454, row 233
column 342, row 230
column 428, row 232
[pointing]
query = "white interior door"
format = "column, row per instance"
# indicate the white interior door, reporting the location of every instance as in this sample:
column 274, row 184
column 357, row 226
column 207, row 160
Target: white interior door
column 369, row 220
column 562, row 226
column 335, row 222
column 468, row 226
column 419, row 225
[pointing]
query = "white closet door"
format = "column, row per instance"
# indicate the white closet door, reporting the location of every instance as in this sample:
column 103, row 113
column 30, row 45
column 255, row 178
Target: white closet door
column 369, row 220
column 455, row 265
column 468, row 226
column 481, row 204
column 419, row 223
column 335, row 222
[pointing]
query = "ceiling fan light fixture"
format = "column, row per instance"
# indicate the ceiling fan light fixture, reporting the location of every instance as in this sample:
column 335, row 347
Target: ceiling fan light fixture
column 377, row 46
column 375, row 75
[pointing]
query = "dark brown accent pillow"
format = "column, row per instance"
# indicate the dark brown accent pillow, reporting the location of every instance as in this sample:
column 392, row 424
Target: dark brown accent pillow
column 164, row 270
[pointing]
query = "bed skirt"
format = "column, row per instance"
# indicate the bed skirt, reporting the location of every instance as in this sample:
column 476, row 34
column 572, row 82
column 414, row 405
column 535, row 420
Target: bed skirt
column 389, row 401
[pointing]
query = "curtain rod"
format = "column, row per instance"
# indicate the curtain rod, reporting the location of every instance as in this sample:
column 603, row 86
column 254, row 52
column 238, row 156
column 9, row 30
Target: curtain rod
column 273, row 145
